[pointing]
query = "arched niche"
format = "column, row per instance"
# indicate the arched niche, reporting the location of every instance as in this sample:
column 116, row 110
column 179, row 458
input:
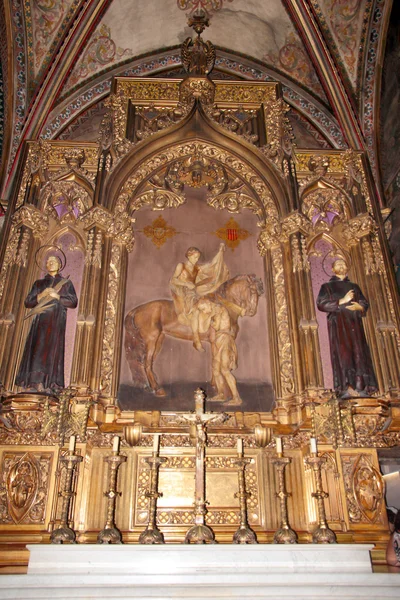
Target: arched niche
column 127, row 184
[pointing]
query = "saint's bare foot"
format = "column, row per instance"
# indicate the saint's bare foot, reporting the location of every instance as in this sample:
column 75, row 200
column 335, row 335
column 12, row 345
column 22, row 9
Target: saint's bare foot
column 234, row 402
column 217, row 398
column 198, row 346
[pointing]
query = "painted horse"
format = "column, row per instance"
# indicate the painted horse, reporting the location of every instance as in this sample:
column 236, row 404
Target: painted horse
column 147, row 325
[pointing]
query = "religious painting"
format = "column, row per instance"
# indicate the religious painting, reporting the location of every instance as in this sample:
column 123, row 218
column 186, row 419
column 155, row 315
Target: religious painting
column 195, row 311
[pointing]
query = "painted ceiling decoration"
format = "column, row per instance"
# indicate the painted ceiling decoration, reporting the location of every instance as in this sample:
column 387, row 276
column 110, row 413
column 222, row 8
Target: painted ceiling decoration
column 65, row 53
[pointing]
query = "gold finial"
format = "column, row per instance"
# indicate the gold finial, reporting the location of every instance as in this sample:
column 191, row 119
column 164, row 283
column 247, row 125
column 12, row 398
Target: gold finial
column 198, row 56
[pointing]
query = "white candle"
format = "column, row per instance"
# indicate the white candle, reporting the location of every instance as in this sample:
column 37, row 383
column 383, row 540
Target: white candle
column 240, row 446
column 156, row 442
column 313, row 446
column 278, row 442
column 116, row 443
column 72, row 443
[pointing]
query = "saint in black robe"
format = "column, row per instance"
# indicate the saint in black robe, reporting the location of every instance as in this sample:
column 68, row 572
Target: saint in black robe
column 42, row 363
column 350, row 355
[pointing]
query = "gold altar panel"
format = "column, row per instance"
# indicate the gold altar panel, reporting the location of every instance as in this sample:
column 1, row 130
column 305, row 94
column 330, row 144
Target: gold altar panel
column 177, row 489
column 26, row 486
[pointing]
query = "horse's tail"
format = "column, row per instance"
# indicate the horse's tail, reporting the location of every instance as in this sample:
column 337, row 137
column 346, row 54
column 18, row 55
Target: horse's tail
column 135, row 351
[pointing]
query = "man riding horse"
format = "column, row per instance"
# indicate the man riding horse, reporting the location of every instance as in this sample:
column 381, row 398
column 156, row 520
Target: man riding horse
column 191, row 281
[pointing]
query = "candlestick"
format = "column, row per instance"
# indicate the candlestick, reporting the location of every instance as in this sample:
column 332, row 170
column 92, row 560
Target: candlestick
column 279, row 447
column 72, row 443
column 313, row 446
column 285, row 534
column 156, row 442
column 322, row 534
column 152, row 535
column 65, row 533
column 240, row 447
column 244, row 534
column 116, row 443
column 111, row 534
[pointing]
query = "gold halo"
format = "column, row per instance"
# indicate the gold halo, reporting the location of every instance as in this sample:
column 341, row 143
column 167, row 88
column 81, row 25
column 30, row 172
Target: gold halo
column 58, row 249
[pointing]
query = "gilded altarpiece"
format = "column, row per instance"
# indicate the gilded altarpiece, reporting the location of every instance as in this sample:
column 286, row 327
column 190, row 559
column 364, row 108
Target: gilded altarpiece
column 165, row 148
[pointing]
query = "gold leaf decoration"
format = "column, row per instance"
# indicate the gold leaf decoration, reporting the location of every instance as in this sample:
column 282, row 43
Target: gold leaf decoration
column 232, row 234
column 159, row 232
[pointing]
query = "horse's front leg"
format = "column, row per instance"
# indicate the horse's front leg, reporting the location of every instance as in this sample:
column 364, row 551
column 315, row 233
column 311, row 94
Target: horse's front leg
column 153, row 348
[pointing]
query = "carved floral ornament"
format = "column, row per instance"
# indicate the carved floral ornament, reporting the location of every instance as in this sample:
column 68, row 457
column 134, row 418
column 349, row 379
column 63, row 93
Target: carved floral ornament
column 205, row 153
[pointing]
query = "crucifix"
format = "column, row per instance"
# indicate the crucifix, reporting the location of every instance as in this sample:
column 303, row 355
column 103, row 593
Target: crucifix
column 200, row 533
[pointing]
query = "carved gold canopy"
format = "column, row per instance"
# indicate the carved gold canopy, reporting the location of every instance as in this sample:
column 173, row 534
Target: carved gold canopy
column 234, row 139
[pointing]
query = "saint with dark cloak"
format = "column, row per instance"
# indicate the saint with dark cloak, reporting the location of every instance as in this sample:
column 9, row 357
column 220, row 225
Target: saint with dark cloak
column 42, row 364
column 353, row 373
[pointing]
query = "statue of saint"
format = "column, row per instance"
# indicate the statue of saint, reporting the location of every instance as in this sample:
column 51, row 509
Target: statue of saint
column 191, row 281
column 223, row 349
column 353, row 373
column 42, row 364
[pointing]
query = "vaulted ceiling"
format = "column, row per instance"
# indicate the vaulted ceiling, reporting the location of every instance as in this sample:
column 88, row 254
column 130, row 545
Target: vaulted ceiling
column 58, row 58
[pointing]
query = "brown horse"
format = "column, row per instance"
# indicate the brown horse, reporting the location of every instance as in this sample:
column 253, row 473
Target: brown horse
column 147, row 325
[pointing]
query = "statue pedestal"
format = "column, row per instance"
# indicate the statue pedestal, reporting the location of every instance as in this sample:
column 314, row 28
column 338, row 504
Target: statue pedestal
column 179, row 571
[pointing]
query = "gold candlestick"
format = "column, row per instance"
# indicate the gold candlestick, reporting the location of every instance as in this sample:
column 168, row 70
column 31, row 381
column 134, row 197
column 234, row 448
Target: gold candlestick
column 285, row 534
column 244, row 534
column 64, row 533
column 111, row 534
column 152, row 535
column 322, row 534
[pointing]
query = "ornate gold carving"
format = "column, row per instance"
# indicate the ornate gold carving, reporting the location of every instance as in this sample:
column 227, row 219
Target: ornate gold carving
column 184, row 516
column 24, row 487
column 378, row 257
column 364, row 488
column 277, row 127
column 159, row 231
column 32, row 218
column 325, row 207
column 107, row 357
column 75, row 156
column 358, row 227
column 65, row 200
column 320, row 163
column 270, row 236
column 118, row 226
column 282, row 318
column 158, row 199
column 234, row 201
column 97, row 216
column 295, row 222
column 145, row 90
column 368, row 255
column 94, row 249
column 208, row 151
column 154, row 118
column 10, row 254
column 69, row 417
column 22, row 254
column 197, row 171
column 296, row 255
column 198, row 56
column 298, row 244
column 118, row 104
column 245, row 93
column 120, row 229
column 232, row 234
column 355, row 174
column 242, row 121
